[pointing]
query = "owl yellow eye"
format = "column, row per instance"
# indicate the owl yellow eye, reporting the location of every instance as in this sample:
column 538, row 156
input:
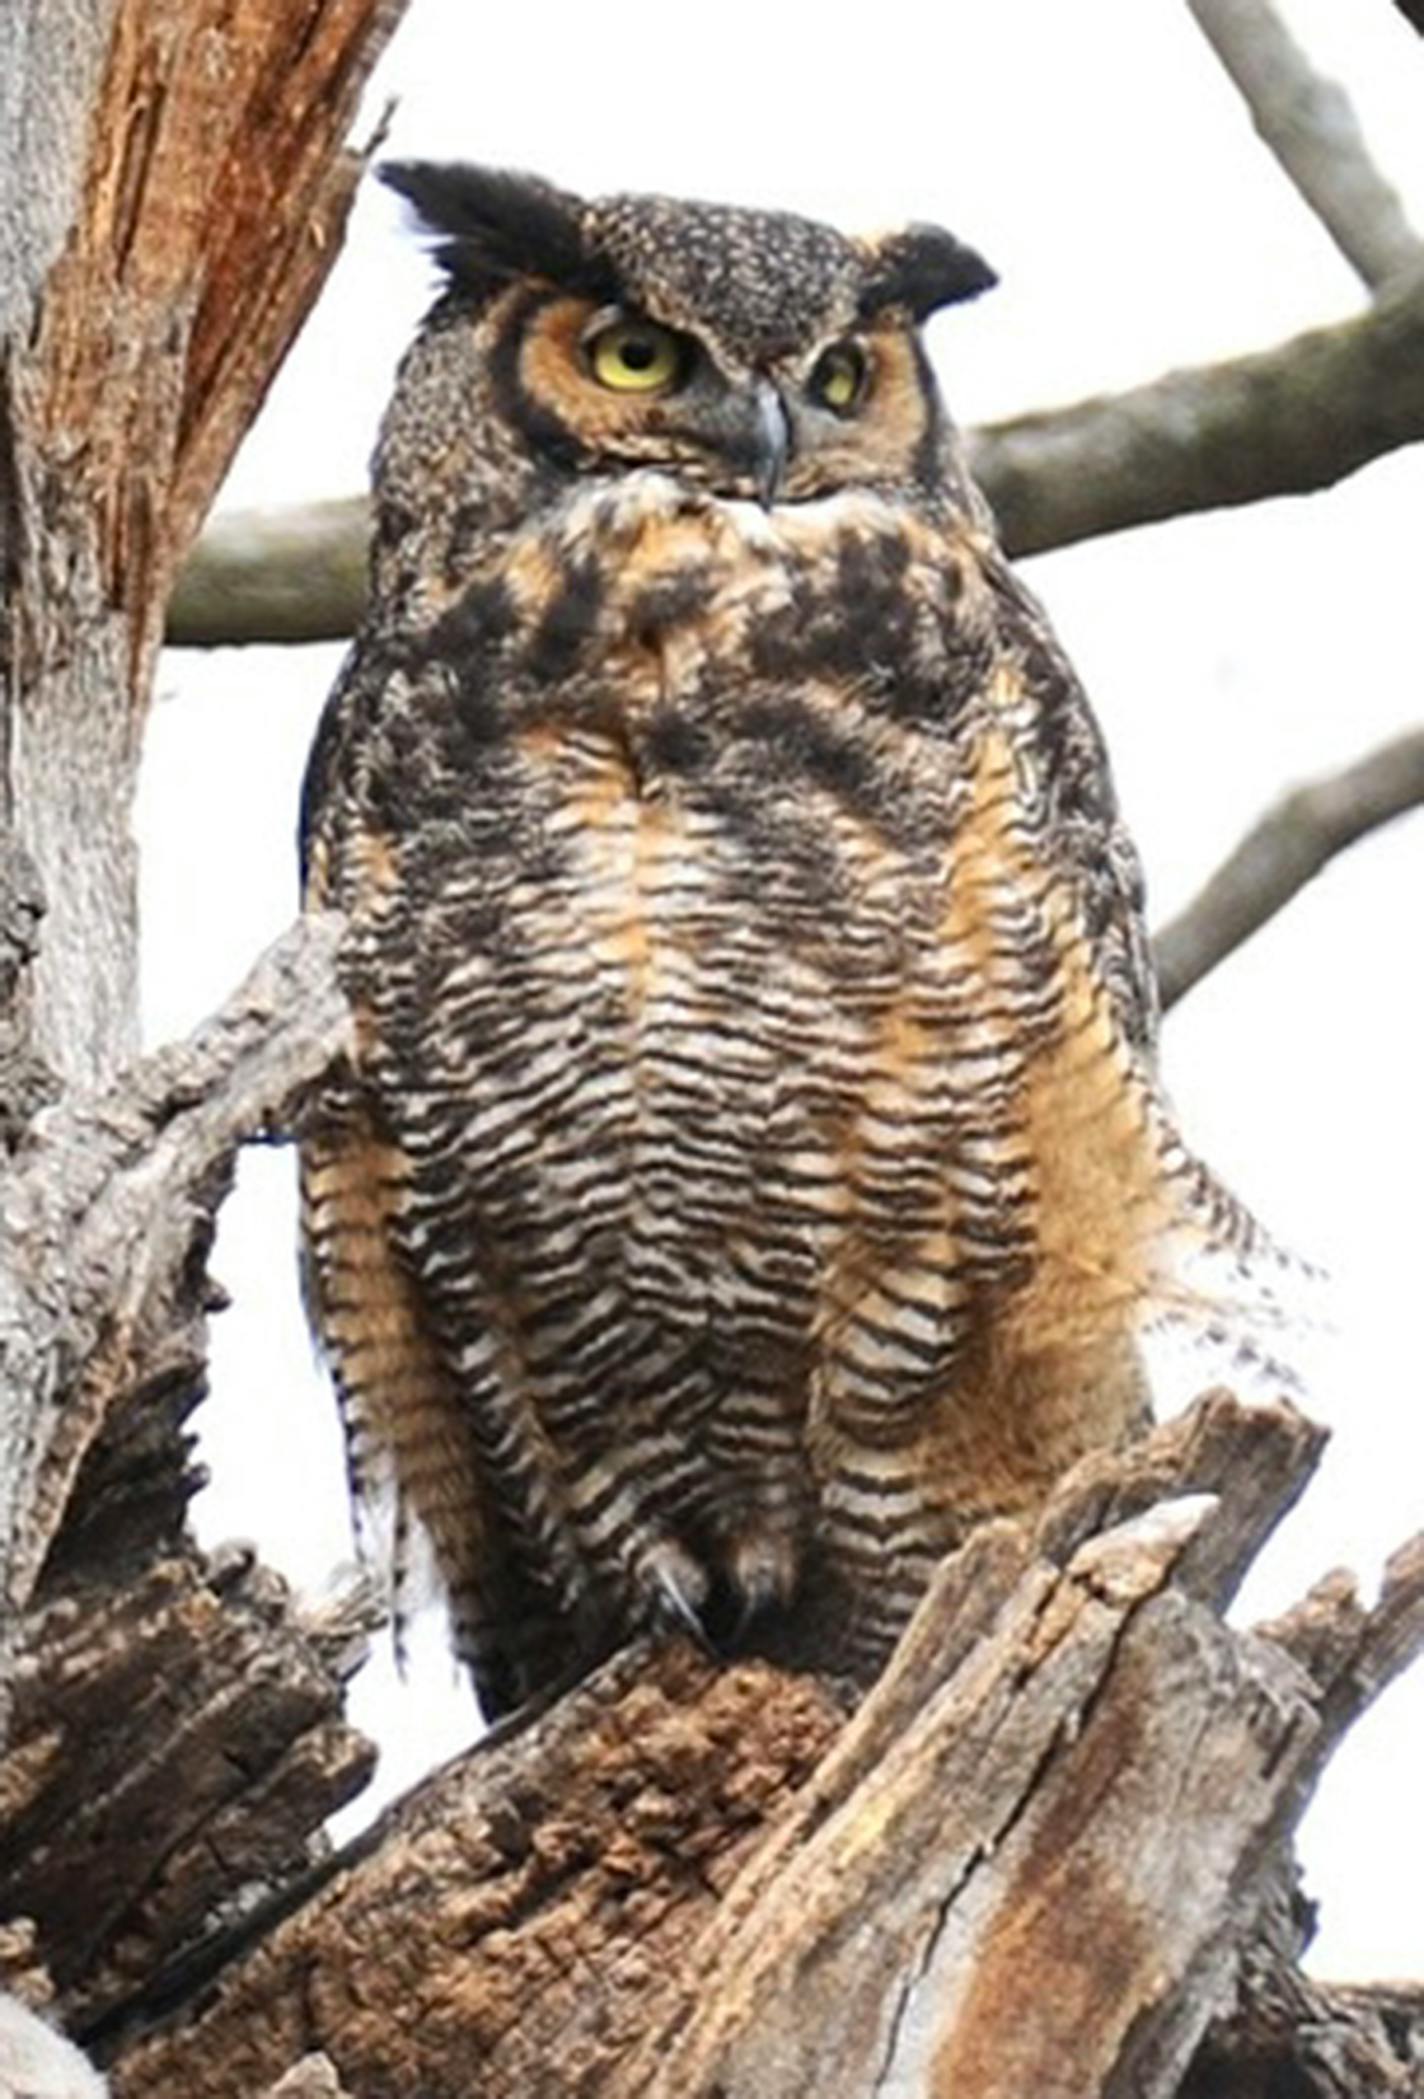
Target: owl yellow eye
column 839, row 378
column 636, row 357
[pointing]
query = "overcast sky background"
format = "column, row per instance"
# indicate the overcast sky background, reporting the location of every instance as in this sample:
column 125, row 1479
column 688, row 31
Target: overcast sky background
column 1102, row 162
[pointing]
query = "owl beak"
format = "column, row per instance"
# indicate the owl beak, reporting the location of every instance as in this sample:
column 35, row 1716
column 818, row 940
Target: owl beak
column 773, row 441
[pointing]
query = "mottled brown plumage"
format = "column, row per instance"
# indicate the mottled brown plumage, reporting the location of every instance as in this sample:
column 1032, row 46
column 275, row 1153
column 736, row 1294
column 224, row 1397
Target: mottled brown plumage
column 754, row 1174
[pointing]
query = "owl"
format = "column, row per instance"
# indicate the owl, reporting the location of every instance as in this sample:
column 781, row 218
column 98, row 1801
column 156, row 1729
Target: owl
column 752, row 1173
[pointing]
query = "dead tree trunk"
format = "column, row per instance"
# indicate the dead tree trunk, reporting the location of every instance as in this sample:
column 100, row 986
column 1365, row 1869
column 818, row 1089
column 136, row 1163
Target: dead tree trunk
column 1049, row 1853
column 173, row 187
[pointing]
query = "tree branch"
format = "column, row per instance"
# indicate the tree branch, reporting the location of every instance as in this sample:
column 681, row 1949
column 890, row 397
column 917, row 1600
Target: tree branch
column 1034, row 1861
column 1283, row 421
column 100, row 1214
column 1310, row 125
column 173, row 192
column 1280, row 422
column 1280, row 854
column 276, row 576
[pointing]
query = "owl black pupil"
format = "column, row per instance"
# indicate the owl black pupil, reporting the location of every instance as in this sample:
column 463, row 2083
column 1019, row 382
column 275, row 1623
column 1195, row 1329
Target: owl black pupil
column 639, row 354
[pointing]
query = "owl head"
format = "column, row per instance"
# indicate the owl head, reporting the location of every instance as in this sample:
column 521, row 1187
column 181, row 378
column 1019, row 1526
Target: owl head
column 750, row 354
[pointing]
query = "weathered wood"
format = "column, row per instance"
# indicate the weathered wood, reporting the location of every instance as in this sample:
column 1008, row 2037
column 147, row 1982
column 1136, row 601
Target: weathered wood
column 1045, row 1853
column 1286, row 2036
column 1031, row 1862
column 522, row 1909
column 173, row 188
column 312, row 2078
column 175, row 1737
column 176, row 1744
column 104, row 1225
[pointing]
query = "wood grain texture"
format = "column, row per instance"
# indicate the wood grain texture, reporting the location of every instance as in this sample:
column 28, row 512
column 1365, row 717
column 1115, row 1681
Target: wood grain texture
column 1045, row 1855
column 175, row 191
column 105, row 1225
column 175, row 1746
column 525, row 1908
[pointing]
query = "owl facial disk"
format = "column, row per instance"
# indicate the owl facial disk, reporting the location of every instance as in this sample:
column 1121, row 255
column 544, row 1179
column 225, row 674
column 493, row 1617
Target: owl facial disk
column 610, row 386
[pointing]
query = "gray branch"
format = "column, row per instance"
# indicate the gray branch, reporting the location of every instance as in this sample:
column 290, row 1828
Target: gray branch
column 1281, row 422
column 276, row 576
column 1281, row 852
column 99, row 1214
column 1310, row 125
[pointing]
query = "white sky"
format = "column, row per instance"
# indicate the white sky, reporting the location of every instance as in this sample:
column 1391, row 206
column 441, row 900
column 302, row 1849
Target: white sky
column 1100, row 160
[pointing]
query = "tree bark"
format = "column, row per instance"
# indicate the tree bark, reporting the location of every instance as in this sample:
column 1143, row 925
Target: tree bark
column 173, row 189
column 1041, row 1857
column 1310, row 126
column 172, row 193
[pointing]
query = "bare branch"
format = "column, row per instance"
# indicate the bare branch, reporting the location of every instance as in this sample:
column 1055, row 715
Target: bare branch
column 1283, row 421
column 99, row 1216
column 275, row 575
column 1280, row 422
column 1310, row 125
column 1281, row 852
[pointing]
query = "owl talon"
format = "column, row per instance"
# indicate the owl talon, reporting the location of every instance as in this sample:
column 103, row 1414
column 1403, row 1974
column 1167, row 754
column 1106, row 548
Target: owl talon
column 763, row 1578
column 678, row 1589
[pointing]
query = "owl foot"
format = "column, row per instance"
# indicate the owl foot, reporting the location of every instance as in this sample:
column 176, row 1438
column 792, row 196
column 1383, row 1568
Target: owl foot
column 762, row 1576
column 676, row 1590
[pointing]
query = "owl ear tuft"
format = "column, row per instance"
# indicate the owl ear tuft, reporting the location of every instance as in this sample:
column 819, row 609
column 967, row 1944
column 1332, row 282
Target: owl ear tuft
column 496, row 224
column 922, row 269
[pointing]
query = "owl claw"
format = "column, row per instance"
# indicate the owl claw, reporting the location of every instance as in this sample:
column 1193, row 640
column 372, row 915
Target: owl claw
column 763, row 1578
column 679, row 1590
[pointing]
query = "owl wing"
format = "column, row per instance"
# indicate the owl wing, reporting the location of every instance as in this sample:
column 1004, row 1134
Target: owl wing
column 416, row 1481
column 1085, row 838
column 1219, row 1278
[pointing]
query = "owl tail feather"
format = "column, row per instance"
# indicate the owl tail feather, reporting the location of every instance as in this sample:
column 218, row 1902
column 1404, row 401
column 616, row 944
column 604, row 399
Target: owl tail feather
column 1226, row 1288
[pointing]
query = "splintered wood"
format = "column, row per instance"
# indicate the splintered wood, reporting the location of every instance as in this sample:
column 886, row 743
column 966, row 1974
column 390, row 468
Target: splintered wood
column 1042, row 1857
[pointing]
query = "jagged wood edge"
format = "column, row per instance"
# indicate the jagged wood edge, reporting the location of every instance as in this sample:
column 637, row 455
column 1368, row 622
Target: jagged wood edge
column 577, row 1930
column 99, row 1209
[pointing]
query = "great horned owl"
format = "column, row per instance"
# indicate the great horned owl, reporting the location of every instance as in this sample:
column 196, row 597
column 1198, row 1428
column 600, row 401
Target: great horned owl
column 753, row 1173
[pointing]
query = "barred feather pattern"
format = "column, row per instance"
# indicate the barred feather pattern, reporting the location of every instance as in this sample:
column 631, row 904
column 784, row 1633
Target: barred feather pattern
column 773, row 1177
column 755, row 1173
